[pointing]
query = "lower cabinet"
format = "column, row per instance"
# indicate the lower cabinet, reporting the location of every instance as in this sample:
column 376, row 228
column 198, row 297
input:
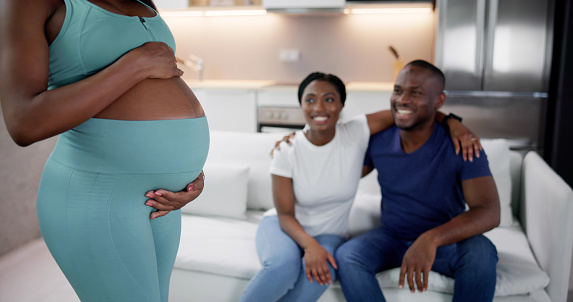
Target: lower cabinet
column 235, row 109
column 229, row 109
column 358, row 102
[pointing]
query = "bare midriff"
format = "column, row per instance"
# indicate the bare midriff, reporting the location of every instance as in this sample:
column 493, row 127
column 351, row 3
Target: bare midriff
column 155, row 99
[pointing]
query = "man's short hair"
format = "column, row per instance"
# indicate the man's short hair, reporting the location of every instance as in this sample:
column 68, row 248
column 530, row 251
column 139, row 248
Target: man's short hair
column 433, row 69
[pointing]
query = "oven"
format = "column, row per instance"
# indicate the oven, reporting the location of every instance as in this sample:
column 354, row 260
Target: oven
column 279, row 119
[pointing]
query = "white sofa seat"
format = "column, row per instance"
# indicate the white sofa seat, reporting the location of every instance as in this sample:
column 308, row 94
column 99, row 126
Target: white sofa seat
column 217, row 255
column 218, row 246
column 226, row 247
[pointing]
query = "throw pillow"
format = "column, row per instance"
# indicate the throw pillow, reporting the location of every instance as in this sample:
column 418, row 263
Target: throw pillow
column 224, row 194
column 497, row 151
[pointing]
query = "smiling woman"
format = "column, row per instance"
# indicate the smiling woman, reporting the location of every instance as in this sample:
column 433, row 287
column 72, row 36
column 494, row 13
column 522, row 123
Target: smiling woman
column 102, row 75
column 323, row 98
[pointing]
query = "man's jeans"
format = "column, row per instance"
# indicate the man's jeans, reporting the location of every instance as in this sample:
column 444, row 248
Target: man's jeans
column 283, row 276
column 471, row 262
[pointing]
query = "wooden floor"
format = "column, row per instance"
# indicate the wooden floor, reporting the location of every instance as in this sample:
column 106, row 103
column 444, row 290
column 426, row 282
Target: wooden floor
column 30, row 274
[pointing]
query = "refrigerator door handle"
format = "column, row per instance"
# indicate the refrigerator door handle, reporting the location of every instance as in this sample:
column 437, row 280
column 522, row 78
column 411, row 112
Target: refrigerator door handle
column 490, row 43
column 480, row 37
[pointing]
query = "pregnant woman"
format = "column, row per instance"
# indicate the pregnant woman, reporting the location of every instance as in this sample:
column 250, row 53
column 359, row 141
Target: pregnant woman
column 102, row 75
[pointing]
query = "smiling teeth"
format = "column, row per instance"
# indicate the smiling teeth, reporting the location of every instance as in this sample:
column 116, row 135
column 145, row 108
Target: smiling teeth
column 320, row 118
column 404, row 111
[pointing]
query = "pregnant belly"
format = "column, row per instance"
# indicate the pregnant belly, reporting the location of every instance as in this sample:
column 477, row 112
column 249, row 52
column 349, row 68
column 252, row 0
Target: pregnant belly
column 155, row 99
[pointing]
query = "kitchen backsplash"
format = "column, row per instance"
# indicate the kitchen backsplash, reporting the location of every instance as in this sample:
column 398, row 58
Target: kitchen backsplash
column 355, row 47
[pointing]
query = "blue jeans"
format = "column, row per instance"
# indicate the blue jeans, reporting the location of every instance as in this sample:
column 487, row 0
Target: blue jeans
column 471, row 262
column 283, row 276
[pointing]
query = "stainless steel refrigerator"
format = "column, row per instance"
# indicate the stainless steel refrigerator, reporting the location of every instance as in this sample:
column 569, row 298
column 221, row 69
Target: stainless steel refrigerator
column 496, row 56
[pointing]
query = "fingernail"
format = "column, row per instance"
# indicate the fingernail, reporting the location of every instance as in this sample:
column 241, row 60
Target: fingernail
column 149, row 195
column 148, row 203
column 190, row 188
column 158, row 193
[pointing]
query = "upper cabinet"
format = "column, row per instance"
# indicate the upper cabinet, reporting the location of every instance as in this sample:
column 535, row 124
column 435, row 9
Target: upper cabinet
column 184, row 4
column 224, row 2
column 287, row 6
column 304, row 4
column 171, row 4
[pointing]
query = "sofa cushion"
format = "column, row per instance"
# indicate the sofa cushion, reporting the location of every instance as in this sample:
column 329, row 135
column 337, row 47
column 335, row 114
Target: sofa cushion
column 218, row 245
column 497, row 151
column 517, row 270
column 225, row 192
column 253, row 150
column 226, row 247
column 364, row 213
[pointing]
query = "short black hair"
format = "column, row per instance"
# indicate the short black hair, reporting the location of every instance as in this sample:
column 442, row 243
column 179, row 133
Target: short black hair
column 320, row 76
column 433, row 69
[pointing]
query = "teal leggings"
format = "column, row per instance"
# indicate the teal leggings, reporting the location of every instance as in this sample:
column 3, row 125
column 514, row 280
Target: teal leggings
column 91, row 204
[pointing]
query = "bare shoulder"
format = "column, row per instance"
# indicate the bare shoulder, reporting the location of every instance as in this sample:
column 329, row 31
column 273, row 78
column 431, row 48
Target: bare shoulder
column 24, row 44
column 29, row 6
column 12, row 11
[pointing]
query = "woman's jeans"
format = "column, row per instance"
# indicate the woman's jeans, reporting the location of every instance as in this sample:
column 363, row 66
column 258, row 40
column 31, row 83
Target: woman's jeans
column 471, row 262
column 283, row 276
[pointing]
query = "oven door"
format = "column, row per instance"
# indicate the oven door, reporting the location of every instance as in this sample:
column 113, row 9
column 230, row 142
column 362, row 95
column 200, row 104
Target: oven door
column 279, row 119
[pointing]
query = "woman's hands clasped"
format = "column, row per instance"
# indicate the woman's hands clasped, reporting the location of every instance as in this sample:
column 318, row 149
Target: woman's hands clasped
column 166, row 201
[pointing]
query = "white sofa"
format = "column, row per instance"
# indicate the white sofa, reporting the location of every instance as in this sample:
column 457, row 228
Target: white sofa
column 217, row 254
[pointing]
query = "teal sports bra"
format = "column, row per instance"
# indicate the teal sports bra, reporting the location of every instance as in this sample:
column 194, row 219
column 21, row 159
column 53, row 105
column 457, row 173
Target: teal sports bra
column 92, row 38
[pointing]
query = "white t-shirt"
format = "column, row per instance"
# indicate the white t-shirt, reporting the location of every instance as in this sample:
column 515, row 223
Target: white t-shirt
column 325, row 178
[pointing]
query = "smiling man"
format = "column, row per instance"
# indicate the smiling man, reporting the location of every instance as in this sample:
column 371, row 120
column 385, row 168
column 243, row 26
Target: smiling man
column 425, row 188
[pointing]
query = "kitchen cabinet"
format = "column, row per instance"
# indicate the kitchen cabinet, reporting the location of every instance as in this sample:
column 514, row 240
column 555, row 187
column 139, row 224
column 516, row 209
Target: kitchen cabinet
column 229, row 109
column 361, row 97
column 278, row 96
column 231, row 105
column 367, row 97
column 171, row 4
column 359, row 102
column 224, row 2
column 184, row 4
column 303, row 4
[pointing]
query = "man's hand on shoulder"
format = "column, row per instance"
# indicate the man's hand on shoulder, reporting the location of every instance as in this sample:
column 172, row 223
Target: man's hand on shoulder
column 287, row 139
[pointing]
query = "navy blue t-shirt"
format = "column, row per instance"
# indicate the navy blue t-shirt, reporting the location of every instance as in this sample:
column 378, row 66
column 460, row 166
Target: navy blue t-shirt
column 423, row 189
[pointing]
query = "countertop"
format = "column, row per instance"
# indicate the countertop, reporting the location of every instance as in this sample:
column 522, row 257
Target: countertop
column 228, row 84
column 274, row 85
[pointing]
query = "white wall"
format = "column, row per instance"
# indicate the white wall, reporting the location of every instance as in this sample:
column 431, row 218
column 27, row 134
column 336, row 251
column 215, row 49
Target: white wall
column 351, row 46
column 20, row 172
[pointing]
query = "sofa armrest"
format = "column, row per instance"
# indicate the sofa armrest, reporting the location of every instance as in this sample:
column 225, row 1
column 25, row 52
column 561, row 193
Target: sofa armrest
column 546, row 214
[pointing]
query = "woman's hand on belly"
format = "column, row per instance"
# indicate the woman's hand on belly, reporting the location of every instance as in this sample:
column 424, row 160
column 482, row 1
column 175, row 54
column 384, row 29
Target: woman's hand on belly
column 166, row 201
column 157, row 60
